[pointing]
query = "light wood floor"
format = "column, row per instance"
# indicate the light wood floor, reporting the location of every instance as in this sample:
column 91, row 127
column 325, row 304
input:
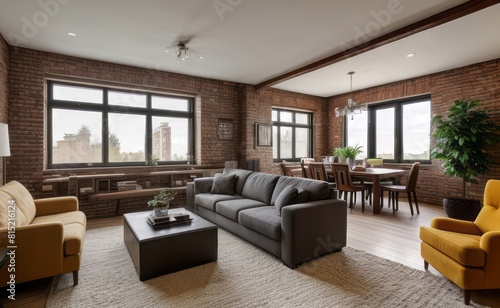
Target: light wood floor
column 390, row 236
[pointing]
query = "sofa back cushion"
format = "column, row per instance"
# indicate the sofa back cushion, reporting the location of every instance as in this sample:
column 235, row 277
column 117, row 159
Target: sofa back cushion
column 260, row 186
column 241, row 178
column 317, row 190
column 25, row 206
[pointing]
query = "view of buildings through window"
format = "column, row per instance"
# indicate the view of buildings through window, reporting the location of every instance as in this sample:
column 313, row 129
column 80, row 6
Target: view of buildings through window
column 398, row 131
column 79, row 115
column 292, row 134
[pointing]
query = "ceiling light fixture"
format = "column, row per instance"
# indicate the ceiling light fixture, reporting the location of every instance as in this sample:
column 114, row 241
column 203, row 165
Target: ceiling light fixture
column 410, row 55
column 352, row 107
column 182, row 52
column 71, row 34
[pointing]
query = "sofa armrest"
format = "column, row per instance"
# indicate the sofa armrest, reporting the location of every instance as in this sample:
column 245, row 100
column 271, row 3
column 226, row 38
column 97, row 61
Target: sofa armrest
column 56, row 205
column 455, row 225
column 39, row 251
column 203, row 185
column 311, row 229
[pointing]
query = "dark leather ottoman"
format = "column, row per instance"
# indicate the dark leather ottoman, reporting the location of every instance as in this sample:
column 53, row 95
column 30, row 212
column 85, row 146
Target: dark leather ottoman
column 161, row 250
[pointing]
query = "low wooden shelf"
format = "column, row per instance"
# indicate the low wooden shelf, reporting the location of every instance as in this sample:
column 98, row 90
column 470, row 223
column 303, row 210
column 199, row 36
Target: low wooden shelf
column 135, row 193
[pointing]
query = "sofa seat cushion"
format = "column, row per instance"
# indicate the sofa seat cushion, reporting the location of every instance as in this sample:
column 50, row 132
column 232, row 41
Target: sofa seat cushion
column 262, row 219
column 464, row 248
column 73, row 227
column 231, row 208
column 316, row 190
column 208, row 200
column 260, row 186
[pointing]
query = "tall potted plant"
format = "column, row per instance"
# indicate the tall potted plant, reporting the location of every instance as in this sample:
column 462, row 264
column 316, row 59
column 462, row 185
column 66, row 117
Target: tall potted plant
column 461, row 141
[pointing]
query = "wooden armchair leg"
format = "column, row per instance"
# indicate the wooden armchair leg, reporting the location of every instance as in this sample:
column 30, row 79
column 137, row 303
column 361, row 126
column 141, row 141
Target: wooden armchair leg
column 75, row 278
column 467, row 294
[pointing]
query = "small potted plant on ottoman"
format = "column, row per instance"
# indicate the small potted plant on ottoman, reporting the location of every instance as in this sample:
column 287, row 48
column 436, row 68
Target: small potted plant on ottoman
column 161, row 202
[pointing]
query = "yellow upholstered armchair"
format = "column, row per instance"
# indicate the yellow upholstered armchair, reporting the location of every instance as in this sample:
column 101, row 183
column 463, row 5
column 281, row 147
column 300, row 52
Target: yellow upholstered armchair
column 46, row 239
column 467, row 253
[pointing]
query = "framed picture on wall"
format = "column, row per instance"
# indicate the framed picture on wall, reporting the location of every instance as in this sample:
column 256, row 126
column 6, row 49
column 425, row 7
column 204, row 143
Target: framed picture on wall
column 263, row 135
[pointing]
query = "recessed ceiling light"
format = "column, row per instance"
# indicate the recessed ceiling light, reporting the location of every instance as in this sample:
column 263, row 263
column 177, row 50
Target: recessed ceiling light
column 410, row 55
column 71, row 34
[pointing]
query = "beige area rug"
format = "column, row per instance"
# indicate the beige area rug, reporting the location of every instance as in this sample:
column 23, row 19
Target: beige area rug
column 246, row 276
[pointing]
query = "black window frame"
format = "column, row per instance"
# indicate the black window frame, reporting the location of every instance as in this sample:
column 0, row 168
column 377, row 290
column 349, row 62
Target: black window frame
column 398, row 127
column 105, row 109
column 294, row 125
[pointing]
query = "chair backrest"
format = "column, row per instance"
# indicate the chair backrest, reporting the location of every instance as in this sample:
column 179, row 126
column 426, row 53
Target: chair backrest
column 489, row 216
column 292, row 169
column 412, row 178
column 305, row 169
column 342, row 176
column 317, row 170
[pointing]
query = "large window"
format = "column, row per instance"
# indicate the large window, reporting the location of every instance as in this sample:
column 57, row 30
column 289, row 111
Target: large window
column 292, row 134
column 98, row 126
column 396, row 131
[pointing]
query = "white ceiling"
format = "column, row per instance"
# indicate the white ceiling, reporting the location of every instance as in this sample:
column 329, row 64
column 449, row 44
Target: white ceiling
column 251, row 41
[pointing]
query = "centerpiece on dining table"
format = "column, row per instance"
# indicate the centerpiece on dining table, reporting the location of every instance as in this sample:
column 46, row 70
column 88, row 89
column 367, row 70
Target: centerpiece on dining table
column 348, row 154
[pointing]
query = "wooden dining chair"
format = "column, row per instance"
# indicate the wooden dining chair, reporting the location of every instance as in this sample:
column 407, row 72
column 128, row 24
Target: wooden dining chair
column 292, row 169
column 305, row 169
column 344, row 183
column 317, row 171
column 409, row 188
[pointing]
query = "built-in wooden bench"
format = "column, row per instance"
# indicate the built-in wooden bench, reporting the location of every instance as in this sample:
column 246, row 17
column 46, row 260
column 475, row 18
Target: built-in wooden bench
column 136, row 193
column 177, row 180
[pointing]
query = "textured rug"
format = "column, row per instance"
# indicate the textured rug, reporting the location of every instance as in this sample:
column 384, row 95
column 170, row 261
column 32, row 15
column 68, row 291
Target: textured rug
column 246, row 276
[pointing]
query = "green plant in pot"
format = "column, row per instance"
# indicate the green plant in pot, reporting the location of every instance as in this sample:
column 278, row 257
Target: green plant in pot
column 461, row 141
column 348, row 154
column 161, row 202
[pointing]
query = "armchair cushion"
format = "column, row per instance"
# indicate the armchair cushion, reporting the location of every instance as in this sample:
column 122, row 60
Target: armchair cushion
column 73, row 229
column 25, row 206
column 463, row 248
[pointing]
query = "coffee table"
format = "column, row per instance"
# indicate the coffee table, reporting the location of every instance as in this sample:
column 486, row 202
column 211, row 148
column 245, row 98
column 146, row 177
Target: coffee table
column 161, row 250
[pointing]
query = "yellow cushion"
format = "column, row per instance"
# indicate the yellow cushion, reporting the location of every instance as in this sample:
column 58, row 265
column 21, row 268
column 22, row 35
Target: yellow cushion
column 6, row 207
column 74, row 229
column 464, row 248
column 25, row 206
column 488, row 218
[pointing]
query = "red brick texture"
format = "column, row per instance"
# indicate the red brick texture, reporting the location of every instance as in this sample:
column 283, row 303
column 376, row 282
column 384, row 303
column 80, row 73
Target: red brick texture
column 478, row 81
column 256, row 107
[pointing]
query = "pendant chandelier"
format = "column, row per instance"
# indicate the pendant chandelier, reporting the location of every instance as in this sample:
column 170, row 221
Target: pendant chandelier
column 351, row 108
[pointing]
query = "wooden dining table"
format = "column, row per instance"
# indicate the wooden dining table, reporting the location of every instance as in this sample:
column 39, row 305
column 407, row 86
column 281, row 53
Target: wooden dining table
column 374, row 175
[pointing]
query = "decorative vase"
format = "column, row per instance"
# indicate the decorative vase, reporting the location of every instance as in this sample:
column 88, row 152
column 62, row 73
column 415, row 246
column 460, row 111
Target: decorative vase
column 460, row 208
column 351, row 163
column 160, row 211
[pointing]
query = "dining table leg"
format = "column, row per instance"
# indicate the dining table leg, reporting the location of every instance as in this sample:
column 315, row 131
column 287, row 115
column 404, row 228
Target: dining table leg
column 376, row 194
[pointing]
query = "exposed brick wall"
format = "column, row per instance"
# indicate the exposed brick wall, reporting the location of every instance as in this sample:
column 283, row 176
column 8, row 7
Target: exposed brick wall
column 4, row 91
column 257, row 107
column 29, row 69
column 214, row 100
column 478, row 81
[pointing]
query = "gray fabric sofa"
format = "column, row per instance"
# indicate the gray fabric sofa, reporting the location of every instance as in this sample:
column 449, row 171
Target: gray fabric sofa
column 295, row 219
